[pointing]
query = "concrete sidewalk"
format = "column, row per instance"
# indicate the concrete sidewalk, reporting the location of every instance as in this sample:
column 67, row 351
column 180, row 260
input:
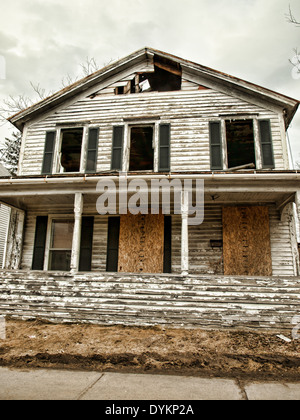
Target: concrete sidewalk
column 42, row 384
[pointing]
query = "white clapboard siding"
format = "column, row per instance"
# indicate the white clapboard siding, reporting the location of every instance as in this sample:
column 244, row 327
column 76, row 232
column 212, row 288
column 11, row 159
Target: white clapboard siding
column 188, row 111
column 199, row 301
column 203, row 259
column 4, row 223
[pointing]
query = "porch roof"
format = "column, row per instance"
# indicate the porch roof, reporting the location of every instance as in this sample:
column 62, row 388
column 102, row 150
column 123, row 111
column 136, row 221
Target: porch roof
column 223, row 187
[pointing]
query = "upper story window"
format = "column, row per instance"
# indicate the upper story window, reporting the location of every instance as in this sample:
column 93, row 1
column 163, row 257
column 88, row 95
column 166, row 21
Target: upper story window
column 71, row 150
column 141, row 147
column 241, row 143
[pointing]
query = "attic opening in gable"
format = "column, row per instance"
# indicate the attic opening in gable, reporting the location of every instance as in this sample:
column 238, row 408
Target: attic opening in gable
column 167, row 76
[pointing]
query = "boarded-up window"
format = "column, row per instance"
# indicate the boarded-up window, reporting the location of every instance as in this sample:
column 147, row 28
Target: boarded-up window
column 141, row 246
column 246, row 241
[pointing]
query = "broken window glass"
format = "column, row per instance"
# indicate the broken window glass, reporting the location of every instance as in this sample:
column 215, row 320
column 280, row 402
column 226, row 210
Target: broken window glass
column 240, row 143
column 71, row 149
column 141, row 149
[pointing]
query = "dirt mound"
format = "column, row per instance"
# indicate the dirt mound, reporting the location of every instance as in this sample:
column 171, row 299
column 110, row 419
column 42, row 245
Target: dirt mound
column 161, row 350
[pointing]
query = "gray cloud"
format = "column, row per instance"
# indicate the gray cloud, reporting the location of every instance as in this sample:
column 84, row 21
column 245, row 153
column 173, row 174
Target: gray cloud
column 44, row 40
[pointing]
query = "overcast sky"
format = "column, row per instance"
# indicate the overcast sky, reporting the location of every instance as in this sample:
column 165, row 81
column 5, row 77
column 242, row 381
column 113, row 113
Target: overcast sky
column 41, row 41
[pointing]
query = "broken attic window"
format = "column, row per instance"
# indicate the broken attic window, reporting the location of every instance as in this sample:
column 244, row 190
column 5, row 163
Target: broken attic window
column 240, row 143
column 166, row 77
column 71, row 149
column 141, row 150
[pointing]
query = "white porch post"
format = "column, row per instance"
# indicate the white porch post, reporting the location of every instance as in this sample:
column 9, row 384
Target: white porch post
column 13, row 252
column 298, row 214
column 78, row 207
column 184, row 233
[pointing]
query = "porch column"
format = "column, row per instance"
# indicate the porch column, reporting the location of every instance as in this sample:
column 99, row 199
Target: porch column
column 184, row 233
column 298, row 214
column 78, row 207
column 14, row 243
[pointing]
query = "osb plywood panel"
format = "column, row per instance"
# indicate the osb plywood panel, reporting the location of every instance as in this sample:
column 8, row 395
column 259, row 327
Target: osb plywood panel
column 246, row 241
column 141, row 243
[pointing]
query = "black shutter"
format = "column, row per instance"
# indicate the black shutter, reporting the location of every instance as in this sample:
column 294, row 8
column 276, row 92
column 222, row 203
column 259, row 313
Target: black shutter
column 86, row 244
column 117, row 148
column 164, row 148
column 113, row 244
column 215, row 145
column 48, row 153
column 39, row 243
column 92, row 151
column 167, row 245
column 266, row 144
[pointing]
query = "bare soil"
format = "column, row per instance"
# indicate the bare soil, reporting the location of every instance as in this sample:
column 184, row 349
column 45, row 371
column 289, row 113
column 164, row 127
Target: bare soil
column 240, row 354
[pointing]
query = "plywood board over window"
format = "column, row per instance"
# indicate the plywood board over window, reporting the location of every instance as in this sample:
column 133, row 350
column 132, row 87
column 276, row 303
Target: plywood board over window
column 246, row 241
column 141, row 243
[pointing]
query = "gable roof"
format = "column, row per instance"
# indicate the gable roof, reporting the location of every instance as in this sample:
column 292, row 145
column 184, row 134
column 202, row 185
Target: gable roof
column 221, row 80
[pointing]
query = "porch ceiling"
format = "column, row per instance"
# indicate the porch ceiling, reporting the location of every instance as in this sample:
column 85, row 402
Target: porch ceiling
column 66, row 201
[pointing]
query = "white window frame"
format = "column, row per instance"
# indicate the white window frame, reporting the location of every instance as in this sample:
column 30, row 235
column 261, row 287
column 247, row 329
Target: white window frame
column 51, row 218
column 256, row 138
column 57, row 168
column 155, row 141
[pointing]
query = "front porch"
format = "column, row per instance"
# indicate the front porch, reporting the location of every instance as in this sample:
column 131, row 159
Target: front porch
column 196, row 290
column 194, row 301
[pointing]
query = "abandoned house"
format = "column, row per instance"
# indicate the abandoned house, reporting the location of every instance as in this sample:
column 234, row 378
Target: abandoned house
column 153, row 116
column 4, row 221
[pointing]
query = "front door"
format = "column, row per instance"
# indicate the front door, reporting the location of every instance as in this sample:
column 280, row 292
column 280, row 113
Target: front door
column 246, row 241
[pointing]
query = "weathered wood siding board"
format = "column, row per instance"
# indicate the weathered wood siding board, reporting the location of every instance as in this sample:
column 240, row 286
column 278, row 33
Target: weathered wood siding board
column 188, row 112
column 203, row 259
column 193, row 301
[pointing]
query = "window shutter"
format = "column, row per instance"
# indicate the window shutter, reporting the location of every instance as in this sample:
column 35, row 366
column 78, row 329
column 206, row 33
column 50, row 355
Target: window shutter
column 164, row 148
column 86, row 244
column 113, row 244
column 48, row 153
column 39, row 243
column 266, row 144
column 167, row 245
column 117, row 148
column 92, row 151
column 215, row 145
